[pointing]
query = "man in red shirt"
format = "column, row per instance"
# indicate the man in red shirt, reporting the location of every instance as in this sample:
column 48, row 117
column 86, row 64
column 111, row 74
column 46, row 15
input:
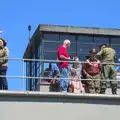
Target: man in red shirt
column 63, row 66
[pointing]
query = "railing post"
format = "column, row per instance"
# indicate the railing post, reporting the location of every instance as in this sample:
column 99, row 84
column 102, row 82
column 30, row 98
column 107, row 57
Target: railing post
column 23, row 74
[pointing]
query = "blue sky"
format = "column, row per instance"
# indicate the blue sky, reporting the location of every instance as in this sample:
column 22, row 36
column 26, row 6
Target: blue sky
column 16, row 15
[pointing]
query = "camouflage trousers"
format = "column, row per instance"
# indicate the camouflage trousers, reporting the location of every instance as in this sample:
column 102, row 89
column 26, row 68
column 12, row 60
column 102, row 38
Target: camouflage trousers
column 93, row 85
column 108, row 72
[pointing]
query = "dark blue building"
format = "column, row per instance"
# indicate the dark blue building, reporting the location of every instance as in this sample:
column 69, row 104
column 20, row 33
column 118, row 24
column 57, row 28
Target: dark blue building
column 47, row 38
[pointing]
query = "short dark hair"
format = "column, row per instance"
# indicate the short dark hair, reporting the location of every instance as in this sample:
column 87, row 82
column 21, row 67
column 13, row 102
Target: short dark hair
column 103, row 45
column 4, row 41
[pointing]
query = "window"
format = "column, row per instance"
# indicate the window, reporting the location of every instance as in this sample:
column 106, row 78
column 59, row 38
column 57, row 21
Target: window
column 27, row 68
column 50, row 55
column 85, row 39
column 117, row 48
column 51, row 37
column 85, row 48
column 72, row 38
column 101, row 40
column 51, row 46
column 83, row 57
column 115, row 40
column 72, row 48
column 40, row 50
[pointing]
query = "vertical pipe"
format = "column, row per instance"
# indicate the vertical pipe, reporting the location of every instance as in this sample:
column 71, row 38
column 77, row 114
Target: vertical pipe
column 23, row 74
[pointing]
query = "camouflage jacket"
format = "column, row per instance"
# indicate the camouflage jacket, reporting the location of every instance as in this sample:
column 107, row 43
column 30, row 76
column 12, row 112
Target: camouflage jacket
column 4, row 53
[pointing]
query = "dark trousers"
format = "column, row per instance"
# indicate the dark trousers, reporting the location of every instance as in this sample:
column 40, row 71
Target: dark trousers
column 93, row 84
column 3, row 80
column 108, row 72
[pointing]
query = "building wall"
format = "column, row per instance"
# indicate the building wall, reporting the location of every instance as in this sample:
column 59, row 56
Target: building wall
column 80, row 46
column 54, row 106
column 34, row 68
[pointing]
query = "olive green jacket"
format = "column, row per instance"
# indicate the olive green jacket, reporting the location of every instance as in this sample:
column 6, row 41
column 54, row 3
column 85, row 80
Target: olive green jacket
column 107, row 54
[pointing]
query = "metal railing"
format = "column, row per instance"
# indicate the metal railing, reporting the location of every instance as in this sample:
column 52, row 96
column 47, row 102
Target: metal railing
column 23, row 76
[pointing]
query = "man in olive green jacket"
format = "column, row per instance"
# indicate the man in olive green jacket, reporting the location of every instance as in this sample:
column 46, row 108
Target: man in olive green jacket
column 109, row 69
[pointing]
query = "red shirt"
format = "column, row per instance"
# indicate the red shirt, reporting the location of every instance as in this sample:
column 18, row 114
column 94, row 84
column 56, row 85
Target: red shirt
column 62, row 51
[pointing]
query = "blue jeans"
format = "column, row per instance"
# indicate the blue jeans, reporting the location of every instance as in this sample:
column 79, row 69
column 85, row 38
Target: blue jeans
column 64, row 82
column 3, row 80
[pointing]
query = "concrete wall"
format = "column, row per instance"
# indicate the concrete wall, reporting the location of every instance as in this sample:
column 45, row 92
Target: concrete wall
column 57, row 106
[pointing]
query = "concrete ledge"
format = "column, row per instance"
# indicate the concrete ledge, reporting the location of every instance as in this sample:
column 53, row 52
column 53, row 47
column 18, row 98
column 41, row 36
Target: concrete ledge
column 19, row 105
column 56, row 94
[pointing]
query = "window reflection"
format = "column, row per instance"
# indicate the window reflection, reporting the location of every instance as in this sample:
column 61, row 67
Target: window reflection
column 50, row 55
column 51, row 37
column 85, row 48
column 115, row 40
column 85, row 39
column 83, row 57
column 101, row 40
column 117, row 48
column 51, row 46
column 72, row 38
column 72, row 48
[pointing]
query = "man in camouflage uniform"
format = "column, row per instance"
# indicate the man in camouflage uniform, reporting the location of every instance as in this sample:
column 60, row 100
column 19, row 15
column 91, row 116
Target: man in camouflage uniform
column 108, row 70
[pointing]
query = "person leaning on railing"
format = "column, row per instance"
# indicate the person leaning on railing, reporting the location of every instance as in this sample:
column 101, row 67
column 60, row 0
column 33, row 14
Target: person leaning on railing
column 54, row 75
column 4, row 52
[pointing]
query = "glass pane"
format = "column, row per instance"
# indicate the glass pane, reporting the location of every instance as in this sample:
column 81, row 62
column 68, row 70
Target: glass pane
column 46, row 65
column 85, row 39
column 72, row 38
column 115, row 40
column 72, row 48
column 38, row 72
column 50, row 55
column 51, row 37
column 51, row 46
column 83, row 57
column 85, row 48
column 101, row 40
column 117, row 48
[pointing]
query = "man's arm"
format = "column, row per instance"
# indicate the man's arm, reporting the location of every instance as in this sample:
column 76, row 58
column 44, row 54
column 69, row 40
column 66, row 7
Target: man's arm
column 61, row 54
column 62, row 57
column 100, row 53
